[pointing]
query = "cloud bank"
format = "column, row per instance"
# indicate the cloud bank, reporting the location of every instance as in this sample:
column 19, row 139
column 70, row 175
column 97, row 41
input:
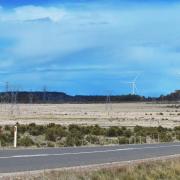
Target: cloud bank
column 87, row 48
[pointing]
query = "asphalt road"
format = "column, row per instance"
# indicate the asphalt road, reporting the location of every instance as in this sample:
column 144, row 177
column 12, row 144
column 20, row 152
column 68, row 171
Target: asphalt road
column 37, row 159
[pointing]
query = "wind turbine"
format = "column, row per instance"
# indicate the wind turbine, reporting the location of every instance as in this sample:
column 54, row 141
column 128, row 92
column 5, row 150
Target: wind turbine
column 133, row 84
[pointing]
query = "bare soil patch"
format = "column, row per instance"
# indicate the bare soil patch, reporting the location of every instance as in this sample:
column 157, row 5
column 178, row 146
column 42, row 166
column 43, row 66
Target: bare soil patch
column 123, row 114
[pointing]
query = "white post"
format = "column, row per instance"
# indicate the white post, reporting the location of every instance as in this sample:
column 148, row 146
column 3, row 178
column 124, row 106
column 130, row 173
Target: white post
column 15, row 136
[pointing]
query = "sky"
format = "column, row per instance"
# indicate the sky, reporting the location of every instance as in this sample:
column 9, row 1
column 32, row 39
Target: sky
column 90, row 46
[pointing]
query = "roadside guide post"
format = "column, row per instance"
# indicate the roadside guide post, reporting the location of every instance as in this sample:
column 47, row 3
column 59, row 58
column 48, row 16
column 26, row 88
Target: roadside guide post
column 15, row 136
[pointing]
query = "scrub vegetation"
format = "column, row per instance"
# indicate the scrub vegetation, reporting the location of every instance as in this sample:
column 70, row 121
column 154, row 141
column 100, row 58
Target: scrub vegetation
column 53, row 135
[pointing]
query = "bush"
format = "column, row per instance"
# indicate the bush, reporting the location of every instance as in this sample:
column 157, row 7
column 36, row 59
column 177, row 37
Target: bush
column 93, row 139
column 50, row 144
column 69, row 141
column 7, row 128
column 177, row 128
column 22, row 128
column 55, row 132
column 35, row 130
column 6, row 139
column 123, row 140
column 160, row 129
column 96, row 130
column 127, row 133
column 138, row 130
column 112, row 131
column 26, row 141
column 165, row 137
column 74, row 128
column 74, row 139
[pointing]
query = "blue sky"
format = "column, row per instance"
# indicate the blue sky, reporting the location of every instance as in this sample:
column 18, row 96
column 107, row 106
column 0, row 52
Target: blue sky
column 90, row 47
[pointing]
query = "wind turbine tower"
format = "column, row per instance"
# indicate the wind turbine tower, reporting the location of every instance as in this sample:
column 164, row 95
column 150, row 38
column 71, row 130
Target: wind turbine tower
column 133, row 88
column 133, row 85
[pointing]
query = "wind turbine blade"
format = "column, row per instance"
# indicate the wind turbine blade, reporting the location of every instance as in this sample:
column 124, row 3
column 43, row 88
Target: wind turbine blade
column 136, row 77
column 127, row 82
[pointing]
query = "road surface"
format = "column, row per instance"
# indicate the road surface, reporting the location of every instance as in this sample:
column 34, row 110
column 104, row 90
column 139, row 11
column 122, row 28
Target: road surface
column 38, row 159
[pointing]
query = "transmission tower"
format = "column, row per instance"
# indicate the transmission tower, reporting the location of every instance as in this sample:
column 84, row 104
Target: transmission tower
column 108, row 104
column 14, row 109
column 6, row 94
column 30, row 98
column 5, row 98
column 7, row 87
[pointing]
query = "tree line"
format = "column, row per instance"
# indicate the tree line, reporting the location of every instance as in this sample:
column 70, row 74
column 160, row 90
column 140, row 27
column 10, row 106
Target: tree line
column 61, row 97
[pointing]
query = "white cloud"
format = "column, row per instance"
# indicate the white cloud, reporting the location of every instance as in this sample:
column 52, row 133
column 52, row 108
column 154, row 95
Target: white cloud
column 28, row 13
column 126, row 30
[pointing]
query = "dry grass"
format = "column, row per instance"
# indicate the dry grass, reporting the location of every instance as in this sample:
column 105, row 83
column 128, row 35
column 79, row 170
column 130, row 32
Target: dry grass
column 123, row 114
column 160, row 170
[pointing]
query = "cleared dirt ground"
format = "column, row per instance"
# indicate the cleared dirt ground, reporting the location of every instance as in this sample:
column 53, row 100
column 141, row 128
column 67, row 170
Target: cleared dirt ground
column 123, row 114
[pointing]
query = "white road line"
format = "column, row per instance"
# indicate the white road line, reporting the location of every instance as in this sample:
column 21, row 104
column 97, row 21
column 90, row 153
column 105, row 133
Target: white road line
column 86, row 152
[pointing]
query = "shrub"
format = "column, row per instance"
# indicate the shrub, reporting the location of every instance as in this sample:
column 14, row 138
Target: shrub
column 123, row 140
column 50, row 144
column 53, row 133
column 37, row 130
column 26, row 141
column 164, row 137
column 160, row 129
column 74, row 139
column 138, row 129
column 86, row 129
column 177, row 128
column 93, row 139
column 7, row 128
column 32, row 129
column 22, row 128
column 114, row 131
column 6, row 139
column 127, row 133
column 96, row 130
